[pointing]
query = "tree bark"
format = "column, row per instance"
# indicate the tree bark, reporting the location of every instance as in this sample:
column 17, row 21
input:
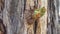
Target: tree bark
column 17, row 17
column 13, row 16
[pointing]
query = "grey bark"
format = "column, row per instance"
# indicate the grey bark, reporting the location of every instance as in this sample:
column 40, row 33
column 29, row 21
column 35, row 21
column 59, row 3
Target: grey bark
column 51, row 17
column 13, row 16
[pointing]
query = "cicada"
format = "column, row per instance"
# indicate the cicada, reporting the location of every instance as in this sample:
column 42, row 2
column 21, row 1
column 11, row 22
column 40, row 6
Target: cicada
column 39, row 12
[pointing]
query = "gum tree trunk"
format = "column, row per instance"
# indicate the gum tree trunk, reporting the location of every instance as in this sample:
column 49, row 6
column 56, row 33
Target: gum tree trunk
column 13, row 16
column 17, row 17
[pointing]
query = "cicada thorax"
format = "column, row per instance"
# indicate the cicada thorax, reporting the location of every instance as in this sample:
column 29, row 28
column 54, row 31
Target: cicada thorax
column 35, row 16
column 31, row 17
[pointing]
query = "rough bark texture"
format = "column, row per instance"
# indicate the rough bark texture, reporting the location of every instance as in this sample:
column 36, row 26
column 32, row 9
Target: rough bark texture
column 41, row 23
column 13, row 16
column 28, row 16
column 52, row 17
column 17, row 17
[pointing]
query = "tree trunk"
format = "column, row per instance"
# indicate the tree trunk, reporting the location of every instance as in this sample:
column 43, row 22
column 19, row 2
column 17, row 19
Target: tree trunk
column 17, row 17
column 13, row 16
